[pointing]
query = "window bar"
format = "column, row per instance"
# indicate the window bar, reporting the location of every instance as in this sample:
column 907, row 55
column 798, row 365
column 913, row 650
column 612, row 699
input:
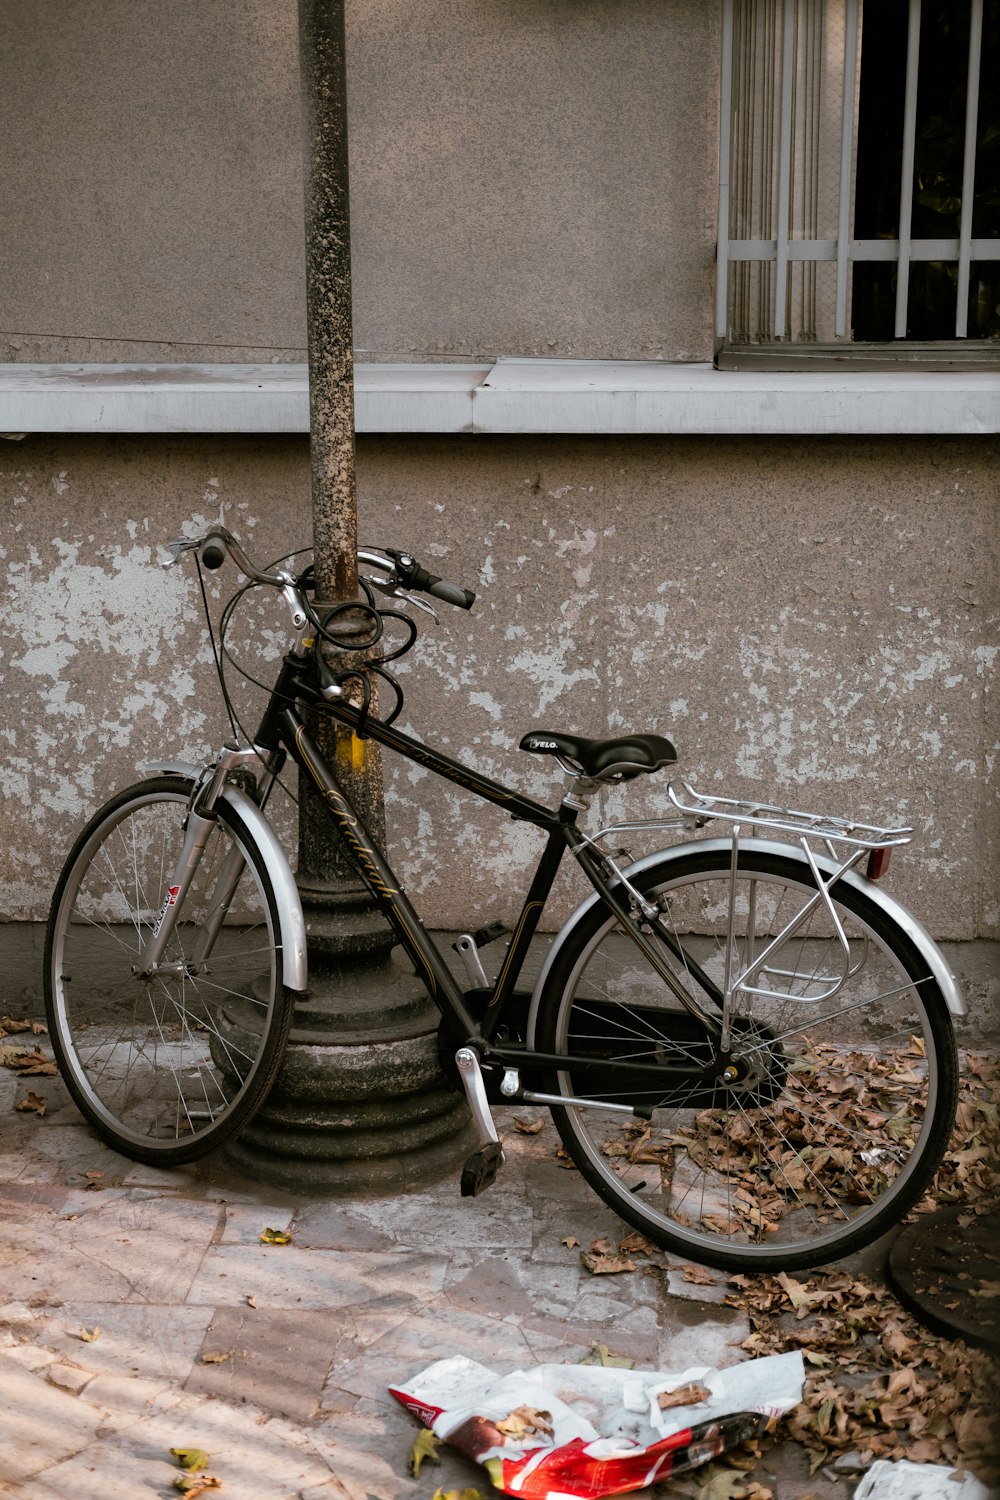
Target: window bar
column 813, row 74
column 906, row 185
column 752, row 132
column 763, row 153
column 784, row 167
column 969, row 168
column 737, row 271
column 846, row 161
column 725, row 153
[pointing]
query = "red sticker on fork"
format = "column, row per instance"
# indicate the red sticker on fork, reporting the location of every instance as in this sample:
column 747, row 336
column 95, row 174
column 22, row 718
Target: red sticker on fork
column 170, row 899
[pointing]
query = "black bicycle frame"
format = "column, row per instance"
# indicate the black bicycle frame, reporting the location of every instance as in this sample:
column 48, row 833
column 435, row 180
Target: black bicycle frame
column 283, row 726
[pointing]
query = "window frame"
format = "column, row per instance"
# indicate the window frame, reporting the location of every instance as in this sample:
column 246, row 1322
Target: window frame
column 784, row 249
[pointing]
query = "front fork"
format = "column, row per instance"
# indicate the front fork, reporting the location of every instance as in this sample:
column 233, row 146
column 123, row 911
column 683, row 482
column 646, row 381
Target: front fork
column 198, row 827
column 197, row 830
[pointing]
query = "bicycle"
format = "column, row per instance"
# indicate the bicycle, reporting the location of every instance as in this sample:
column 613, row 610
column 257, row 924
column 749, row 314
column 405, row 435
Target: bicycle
column 746, row 1045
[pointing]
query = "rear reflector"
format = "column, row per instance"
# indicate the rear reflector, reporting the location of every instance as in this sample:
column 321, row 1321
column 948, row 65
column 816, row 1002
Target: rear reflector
column 878, row 863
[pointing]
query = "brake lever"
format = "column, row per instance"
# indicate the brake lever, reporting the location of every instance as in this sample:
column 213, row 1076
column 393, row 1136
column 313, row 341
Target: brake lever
column 179, row 547
column 384, row 585
column 393, row 591
column 420, row 603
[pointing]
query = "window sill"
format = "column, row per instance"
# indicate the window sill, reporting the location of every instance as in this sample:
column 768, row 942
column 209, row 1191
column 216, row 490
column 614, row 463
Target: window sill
column 504, row 396
column 970, row 356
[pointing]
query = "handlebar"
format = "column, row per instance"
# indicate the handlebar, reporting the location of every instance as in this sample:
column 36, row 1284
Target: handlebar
column 212, row 555
column 214, row 546
column 412, row 576
column 402, row 571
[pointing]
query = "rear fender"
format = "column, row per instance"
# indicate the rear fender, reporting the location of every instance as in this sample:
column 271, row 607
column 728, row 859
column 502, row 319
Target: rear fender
column 908, row 924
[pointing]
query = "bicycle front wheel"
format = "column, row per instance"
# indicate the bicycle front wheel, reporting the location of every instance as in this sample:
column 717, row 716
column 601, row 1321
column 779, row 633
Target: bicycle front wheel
column 822, row 1120
column 166, row 1068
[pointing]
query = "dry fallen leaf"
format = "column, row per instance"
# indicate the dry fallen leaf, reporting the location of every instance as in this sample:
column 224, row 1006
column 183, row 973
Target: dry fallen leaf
column 700, row 1275
column 691, row 1394
column 190, row 1458
column 528, row 1127
column 29, row 1064
column 193, row 1485
column 601, row 1355
column 570, row 1242
column 601, row 1263
column 32, row 1102
column 425, row 1445
column 525, row 1421
column 801, row 1298
column 251, row 1301
column 215, row 1357
column 90, row 1334
column 725, row 1484
column 275, row 1237
column 895, row 1341
column 636, row 1244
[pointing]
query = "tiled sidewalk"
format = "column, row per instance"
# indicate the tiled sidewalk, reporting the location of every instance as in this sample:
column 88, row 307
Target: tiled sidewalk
column 170, row 1268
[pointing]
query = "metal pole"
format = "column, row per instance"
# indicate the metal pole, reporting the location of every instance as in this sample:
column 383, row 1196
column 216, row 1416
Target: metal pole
column 360, row 1101
column 328, row 297
column 323, row 66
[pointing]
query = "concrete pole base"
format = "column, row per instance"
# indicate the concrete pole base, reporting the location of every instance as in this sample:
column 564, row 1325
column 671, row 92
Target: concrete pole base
column 361, row 1103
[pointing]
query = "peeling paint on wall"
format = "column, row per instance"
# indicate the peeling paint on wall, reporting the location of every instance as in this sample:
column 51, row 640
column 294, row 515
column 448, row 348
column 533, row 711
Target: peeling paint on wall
column 676, row 592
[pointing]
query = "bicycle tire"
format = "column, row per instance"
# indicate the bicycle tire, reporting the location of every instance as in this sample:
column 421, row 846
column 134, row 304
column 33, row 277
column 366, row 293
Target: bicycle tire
column 170, row 1068
column 843, row 1107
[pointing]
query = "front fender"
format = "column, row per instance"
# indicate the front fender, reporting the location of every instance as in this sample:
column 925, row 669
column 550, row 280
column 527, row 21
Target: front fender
column 918, row 935
column 286, row 893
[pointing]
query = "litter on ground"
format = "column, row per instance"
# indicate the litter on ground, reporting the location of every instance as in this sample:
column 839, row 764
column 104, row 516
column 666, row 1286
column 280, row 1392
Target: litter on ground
column 580, row 1432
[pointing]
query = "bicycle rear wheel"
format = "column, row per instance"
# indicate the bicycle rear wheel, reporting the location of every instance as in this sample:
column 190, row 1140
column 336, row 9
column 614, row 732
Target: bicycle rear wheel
column 167, row 1068
column 842, row 1080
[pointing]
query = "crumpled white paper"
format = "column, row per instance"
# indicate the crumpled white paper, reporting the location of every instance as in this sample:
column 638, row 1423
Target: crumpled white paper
column 900, row 1479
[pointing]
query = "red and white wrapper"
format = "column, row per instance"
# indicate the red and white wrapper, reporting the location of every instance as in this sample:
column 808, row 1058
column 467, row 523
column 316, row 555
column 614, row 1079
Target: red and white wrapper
column 609, row 1435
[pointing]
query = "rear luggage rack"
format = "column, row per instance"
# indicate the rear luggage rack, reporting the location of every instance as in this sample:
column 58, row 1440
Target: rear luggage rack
column 762, row 815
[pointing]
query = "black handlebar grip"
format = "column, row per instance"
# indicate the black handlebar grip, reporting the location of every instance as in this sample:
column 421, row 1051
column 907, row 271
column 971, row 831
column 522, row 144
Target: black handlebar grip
column 412, row 576
column 452, row 593
column 213, row 555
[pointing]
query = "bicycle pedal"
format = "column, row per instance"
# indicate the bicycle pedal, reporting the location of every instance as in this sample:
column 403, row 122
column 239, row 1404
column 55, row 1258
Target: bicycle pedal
column 483, row 936
column 481, row 1169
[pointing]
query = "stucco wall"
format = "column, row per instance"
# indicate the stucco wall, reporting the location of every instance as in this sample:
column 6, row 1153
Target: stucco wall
column 526, row 178
column 812, row 621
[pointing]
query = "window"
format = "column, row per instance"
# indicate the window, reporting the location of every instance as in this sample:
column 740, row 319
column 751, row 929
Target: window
column 860, row 179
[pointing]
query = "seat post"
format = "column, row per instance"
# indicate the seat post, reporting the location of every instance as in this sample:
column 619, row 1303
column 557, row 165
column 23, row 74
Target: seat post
column 578, row 795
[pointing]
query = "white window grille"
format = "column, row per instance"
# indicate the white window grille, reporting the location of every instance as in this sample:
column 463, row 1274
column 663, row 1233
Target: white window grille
column 788, row 252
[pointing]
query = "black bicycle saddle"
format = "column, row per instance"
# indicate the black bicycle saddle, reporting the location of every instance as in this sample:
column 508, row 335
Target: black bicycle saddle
column 623, row 757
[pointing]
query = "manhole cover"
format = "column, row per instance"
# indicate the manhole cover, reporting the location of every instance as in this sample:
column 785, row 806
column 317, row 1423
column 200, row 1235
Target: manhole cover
column 946, row 1269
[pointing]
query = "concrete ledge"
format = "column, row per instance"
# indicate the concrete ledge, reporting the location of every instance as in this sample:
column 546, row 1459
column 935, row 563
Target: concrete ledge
column 227, row 398
column 503, row 396
column 641, row 398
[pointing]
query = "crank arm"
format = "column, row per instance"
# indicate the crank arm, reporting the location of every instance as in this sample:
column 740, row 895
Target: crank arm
column 475, row 1092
